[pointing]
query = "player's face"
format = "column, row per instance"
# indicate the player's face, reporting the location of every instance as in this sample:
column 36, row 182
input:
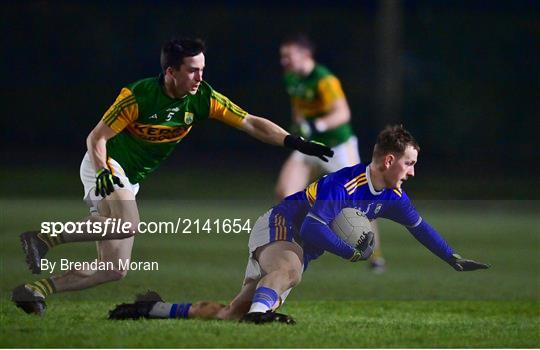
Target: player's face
column 293, row 58
column 188, row 78
column 400, row 169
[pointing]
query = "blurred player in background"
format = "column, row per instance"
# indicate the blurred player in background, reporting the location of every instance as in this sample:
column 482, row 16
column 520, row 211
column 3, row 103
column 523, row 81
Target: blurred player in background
column 138, row 132
column 297, row 230
column 320, row 112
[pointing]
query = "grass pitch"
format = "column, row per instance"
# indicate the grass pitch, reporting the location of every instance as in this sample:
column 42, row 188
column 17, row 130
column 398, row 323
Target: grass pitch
column 418, row 302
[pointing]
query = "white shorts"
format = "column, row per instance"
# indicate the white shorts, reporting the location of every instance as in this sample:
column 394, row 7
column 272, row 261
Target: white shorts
column 266, row 231
column 345, row 154
column 88, row 179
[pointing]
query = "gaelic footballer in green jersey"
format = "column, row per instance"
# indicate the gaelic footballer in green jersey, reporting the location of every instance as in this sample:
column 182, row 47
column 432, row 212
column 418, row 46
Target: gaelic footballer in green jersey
column 150, row 124
column 147, row 120
column 312, row 97
column 321, row 113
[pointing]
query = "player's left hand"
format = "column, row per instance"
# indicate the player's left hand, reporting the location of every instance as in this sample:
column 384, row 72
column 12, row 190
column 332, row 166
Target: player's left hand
column 364, row 248
column 460, row 264
column 105, row 182
column 311, row 148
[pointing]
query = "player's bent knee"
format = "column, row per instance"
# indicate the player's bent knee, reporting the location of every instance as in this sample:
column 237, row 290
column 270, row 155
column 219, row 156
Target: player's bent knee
column 294, row 276
column 134, row 227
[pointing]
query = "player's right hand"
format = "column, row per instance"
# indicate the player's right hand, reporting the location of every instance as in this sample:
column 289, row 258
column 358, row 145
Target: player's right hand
column 105, row 182
column 311, row 148
column 460, row 264
column 364, row 247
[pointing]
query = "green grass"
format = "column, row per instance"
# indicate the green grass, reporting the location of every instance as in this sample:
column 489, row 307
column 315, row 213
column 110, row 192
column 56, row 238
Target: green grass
column 418, row 302
column 341, row 324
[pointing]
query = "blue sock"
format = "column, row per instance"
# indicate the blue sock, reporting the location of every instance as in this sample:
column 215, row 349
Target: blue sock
column 179, row 310
column 263, row 299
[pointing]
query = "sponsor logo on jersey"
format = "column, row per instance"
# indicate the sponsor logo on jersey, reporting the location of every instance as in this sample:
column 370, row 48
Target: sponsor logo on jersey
column 365, row 212
column 158, row 133
column 377, row 208
column 188, row 118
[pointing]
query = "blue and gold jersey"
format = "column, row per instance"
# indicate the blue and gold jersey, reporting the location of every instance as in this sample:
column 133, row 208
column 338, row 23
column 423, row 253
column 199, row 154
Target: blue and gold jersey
column 351, row 187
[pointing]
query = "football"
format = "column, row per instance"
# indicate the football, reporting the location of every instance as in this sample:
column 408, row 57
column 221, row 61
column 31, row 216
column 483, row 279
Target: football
column 351, row 224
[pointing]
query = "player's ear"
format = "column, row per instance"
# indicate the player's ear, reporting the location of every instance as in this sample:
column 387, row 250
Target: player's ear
column 389, row 160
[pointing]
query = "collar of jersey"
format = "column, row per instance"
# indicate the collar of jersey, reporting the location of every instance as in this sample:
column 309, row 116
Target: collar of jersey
column 371, row 188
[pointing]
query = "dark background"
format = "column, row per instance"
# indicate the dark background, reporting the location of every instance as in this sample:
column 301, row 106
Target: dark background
column 465, row 74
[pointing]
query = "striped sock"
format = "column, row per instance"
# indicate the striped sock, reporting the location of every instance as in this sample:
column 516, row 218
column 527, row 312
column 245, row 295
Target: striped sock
column 44, row 287
column 264, row 299
column 51, row 241
column 166, row 310
column 179, row 310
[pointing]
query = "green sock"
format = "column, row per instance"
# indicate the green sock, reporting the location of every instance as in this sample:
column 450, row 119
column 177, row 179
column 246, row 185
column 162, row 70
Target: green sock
column 51, row 241
column 44, row 287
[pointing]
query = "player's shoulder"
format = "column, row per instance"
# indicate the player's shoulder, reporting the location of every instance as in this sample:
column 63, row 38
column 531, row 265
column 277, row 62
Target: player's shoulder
column 205, row 87
column 321, row 71
column 396, row 194
column 144, row 85
column 348, row 175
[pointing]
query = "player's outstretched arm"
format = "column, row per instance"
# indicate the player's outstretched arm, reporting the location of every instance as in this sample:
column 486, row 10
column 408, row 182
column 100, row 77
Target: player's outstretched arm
column 271, row 133
column 263, row 130
column 431, row 239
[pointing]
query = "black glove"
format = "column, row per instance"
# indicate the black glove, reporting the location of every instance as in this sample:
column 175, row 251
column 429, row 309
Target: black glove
column 460, row 264
column 364, row 247
column 105, row 182
column 311, row 148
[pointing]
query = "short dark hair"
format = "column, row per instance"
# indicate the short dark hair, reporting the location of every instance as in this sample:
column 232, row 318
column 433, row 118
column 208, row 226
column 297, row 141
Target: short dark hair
column 394, row 139
column 300, row 40
column 174, row 51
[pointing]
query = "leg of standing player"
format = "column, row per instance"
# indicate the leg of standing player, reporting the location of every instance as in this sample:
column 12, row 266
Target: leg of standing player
column 120, row 204
column 294, row 176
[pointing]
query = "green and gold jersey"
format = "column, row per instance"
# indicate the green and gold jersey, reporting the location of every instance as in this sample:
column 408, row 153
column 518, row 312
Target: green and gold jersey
column 149, row 123
column 313, row 96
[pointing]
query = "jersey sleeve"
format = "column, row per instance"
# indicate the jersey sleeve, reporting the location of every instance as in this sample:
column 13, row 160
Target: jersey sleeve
column 327, row 198
column 223, row 109
column 403, row 212
column 319, row 235
column 330, row 91
column 122, row 112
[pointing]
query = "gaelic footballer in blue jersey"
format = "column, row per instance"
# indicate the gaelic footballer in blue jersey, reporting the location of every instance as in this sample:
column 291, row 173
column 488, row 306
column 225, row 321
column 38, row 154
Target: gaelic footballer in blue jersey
column 296, row 231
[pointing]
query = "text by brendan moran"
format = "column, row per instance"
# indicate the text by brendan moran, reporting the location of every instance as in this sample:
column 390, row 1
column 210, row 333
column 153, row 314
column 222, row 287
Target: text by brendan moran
column 120, row 265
